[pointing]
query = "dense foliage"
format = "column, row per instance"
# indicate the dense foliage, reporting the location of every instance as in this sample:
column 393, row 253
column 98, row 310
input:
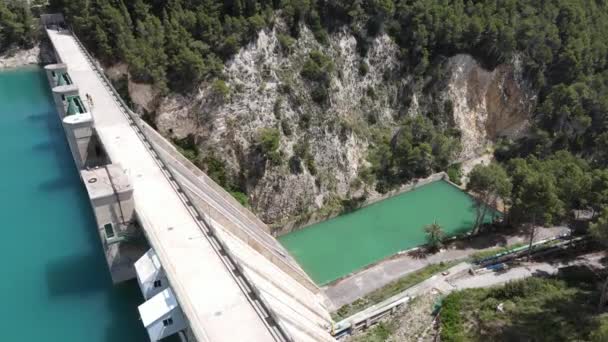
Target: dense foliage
column 16, row 25
column 416, row 150
column 534, row 309
column 317, row 69
column 488, row 183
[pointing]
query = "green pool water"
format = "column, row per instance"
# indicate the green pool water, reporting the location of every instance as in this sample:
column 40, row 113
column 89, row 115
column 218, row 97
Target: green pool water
column 55, row 284
column 337, row 247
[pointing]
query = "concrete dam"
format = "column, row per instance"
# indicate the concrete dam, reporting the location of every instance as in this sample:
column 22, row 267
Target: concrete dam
column 207, row 267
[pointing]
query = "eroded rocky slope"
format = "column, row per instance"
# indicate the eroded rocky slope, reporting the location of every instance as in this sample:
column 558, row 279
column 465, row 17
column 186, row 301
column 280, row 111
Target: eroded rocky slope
column 323, row 146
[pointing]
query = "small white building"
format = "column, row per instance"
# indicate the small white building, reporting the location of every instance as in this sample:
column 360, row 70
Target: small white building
column 162, row 316
column 150, row 275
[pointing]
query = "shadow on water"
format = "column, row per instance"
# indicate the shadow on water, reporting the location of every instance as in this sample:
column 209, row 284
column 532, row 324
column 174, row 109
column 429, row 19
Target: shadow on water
column 57, row 184
column 38, row 117
column 43, row 146
column 79, row 275
column 72, row 275
column 127, row 298
column 463, row 228
column 57, row 145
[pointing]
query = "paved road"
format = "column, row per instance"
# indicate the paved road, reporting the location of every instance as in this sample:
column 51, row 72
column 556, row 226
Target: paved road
column 527, row 270
column 458, row 278
column 348, row 290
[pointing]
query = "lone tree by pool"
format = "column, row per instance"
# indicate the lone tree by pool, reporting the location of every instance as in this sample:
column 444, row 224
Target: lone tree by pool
column 434, row 235
column 488, row 183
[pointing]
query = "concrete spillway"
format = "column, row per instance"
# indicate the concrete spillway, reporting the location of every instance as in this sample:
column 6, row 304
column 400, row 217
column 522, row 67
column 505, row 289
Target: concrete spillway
column 227, row 289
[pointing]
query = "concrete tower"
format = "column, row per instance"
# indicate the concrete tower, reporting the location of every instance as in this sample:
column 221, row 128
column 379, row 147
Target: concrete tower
column 80, row 134
column 111, row 196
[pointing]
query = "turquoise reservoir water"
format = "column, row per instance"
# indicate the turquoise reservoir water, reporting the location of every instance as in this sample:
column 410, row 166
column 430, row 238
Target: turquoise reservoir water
column 55, row 284
column 337, row 247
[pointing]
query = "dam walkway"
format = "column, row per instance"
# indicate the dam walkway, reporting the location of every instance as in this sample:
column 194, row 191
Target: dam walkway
column 215, row 291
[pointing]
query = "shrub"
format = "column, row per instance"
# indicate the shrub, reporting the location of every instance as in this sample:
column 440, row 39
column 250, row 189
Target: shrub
column 216, row 170
column 286, row 127
column 434, row 235
column 268, row 143
column 601, row 333
column 285, row 88
column 286, row 42
column 302, row 150
column 353, row 204
column 295, row 165
column 220, row 89
column 269, row 140
column 371, row 93
column 310, row 164
column 455, row 174
column 317, row 69
column 451, row 320
column 305, row 120
column 381, row 332
column 187, row 147
column 241, row 197
column 276, row 109
column 319, row 94
column 363, row 68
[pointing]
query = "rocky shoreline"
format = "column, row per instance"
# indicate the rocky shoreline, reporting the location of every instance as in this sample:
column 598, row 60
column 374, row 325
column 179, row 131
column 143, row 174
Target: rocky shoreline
column 40, row 54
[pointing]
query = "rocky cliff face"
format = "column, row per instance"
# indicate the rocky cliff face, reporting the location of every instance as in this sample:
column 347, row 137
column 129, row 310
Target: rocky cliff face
column 267, row 90
column 488, row 104
column 324, row 146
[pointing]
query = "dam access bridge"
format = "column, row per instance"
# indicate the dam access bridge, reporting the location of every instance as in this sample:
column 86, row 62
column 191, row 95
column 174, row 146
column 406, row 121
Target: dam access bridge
column 207, row 267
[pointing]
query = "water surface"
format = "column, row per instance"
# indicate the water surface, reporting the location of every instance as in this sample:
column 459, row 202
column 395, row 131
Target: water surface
column 337, row 247
column 56, row 286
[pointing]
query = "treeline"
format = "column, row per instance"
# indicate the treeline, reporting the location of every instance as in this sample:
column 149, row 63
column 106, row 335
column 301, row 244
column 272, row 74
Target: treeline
column 562, row 189
column 174, row 44
column 16, row 25
column 542, row 191
column 562, row 46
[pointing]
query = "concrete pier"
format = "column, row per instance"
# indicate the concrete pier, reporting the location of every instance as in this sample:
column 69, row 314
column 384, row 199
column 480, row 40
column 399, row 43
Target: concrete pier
column 60, row 95
column 111, row 197
column 79, row 132
column 108, row 186
column 53, row 71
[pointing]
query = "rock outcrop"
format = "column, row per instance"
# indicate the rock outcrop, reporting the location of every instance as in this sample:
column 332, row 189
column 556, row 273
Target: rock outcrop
column 41, row 53
column 19, row 58
column 267, row 90
column 488, row 104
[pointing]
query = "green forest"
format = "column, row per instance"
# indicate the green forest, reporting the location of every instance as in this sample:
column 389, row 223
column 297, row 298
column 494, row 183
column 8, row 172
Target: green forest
column 16, row 25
